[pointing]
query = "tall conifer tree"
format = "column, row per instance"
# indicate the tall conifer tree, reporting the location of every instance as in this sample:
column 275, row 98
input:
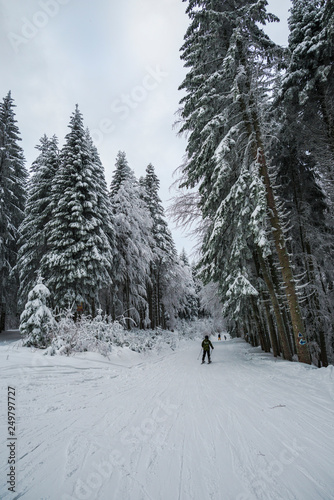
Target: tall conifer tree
column 13, row 177
column 231, row 62
column 164, row 263
column 79, row 261
column 38, row 213
column 133, row 239
column 121, row 173
column 304, row 155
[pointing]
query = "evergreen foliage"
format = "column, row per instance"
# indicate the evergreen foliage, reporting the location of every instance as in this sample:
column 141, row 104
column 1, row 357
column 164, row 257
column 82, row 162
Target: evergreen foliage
column 133, row 236
column 226, row 50
column 122, row 173
column 164, row 286
column 258, row 175
column 37, row 322
column 304, row 156
column 13, row 177
column 78, row 262
column 38, row 213
column 189, row 309
column 229, row 118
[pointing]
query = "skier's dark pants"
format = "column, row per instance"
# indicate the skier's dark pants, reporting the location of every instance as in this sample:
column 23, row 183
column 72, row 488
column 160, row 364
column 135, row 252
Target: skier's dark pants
column 204, row 354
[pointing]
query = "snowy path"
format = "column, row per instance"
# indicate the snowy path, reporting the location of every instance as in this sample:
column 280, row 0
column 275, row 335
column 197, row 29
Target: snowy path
column 163, row 427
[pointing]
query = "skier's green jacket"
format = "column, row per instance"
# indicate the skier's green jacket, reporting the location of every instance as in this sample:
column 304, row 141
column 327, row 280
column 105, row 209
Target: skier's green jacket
column 206, row 344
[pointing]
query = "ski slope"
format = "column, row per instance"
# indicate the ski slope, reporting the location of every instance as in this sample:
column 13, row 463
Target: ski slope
column 164, row 427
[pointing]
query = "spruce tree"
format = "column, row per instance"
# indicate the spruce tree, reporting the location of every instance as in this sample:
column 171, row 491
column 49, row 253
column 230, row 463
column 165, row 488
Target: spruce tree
column 121, row 173
column 224, row 112
column 304, row 156
column 37, row 322
column 133, row 240
column 190, row 300
column 164, row 268
column 38, row 213
column 78, row 262
column 13, row 177
column 105, row 212
column 161, row 233
column 309, row 79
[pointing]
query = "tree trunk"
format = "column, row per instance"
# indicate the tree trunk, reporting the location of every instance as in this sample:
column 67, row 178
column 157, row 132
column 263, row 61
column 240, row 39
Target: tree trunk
column 274, row 301
column 282, row 253
column 313, row 301
column 2, row 317
column 265, row 326
column 257, row 318
column 321, row 333
column 289, row 284
column 272, row 332
column 150, row 299
column 251, row 122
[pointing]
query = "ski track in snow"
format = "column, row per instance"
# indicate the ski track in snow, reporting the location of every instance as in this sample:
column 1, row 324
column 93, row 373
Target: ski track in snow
column 165, row 427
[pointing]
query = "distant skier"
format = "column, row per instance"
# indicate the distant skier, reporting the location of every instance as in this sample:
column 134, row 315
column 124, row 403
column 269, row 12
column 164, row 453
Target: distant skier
column 225, row 337
column 218, row 336
column 206, row 344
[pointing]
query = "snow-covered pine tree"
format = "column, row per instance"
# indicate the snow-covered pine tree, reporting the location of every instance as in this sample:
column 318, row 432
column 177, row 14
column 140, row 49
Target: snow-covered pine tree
column 190, row 300
column 133, row 240
column 224, row 178
column 78, row 261
column 105, row 211
column 307, row 84
column 176, row 287
column 231, row 63
column 13, row 177
column 161, row 233
column 37, row 321
column 38, row 212
column 121, row 173
column 309, row 80
column 164, row 266
column 304, row 157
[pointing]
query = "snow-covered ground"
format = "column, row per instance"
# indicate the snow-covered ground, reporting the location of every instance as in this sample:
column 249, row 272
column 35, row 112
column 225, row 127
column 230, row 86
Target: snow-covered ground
column 164, row 427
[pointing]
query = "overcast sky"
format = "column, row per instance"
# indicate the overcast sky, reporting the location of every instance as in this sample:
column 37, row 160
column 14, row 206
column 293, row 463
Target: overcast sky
column 119, row 60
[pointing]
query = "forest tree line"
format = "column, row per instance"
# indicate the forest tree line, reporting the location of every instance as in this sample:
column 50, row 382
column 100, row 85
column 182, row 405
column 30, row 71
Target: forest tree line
column 94, row 248
column 258, row 177
column 257, row 181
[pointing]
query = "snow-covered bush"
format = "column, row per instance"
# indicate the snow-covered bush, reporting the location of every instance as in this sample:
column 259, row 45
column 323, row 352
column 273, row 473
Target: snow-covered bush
column 86, row 334
column 192, row 330
column 65, row 335
column 101, row 334
column 36, row 322
column 146, row 340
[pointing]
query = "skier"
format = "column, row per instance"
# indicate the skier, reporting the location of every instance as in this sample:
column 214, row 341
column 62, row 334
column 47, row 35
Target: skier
column 218, row 336
column 206, row 344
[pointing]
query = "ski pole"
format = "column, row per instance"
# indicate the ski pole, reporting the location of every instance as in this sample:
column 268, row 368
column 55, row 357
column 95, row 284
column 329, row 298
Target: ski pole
column 199, row 354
